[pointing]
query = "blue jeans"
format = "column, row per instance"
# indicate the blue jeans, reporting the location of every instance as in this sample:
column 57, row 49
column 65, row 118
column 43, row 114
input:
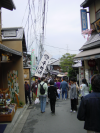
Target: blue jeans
column 42, row 103
column 64, row 91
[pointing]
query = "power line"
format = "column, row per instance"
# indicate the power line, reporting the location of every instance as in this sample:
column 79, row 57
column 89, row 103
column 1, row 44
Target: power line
column 24, row 13
column 58, row 48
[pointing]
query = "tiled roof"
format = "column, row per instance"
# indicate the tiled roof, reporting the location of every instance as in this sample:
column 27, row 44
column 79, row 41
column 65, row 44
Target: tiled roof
column 9, row 50
column 56, row 63
column 8, row 4
column 93, row 41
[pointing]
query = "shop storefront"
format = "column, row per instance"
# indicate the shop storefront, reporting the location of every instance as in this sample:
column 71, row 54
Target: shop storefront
column 90, row 63
column 10, row 74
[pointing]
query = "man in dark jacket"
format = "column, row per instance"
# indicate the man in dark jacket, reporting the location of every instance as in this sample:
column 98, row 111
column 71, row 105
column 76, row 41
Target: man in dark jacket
column 27, row 92
column 89, row 110
column 52, row 94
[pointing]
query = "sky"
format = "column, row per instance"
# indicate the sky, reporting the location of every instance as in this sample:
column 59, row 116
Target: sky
column 62, row 25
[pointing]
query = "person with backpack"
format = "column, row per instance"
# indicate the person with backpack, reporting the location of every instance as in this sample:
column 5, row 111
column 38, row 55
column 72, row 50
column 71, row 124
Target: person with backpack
column 42, row 94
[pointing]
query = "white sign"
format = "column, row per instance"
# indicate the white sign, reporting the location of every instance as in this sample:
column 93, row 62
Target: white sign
column 42, row 65
column 11, row 33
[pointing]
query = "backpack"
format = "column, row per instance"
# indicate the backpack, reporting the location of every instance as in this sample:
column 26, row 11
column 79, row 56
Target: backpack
column 42, row 90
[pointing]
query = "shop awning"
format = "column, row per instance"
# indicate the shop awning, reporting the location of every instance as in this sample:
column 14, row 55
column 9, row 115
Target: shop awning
column 9, row 50
column 88, row 54
column 8, row 4
column 86, row 3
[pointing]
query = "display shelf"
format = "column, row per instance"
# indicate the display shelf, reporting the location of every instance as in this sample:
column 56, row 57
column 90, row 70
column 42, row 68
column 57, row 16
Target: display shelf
column 8, row 117
column 7, row 111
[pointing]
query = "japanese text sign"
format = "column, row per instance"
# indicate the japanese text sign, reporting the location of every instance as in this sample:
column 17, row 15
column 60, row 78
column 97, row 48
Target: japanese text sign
column 42, row 65
column 84, row 23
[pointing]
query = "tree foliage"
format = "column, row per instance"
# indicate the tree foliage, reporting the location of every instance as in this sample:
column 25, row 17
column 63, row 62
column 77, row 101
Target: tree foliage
column 66, row 63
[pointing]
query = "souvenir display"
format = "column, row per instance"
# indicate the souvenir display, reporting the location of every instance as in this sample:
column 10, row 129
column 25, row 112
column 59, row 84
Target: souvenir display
column 7, row 109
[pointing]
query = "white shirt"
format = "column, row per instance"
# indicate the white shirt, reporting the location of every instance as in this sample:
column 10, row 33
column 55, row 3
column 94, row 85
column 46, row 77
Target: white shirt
column 84, row 89
column 58, row 91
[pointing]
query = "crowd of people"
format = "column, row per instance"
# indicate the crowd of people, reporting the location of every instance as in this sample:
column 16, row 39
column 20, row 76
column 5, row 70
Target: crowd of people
column 53, row 89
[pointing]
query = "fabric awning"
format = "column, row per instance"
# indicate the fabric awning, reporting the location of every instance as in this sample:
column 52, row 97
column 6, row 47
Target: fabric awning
column 9, row 50
column 88, row 54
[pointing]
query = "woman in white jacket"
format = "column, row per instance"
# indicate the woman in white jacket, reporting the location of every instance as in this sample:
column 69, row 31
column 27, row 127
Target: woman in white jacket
column 84, row 88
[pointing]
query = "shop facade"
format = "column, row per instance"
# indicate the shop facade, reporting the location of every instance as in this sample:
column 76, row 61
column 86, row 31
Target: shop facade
column 90, row 51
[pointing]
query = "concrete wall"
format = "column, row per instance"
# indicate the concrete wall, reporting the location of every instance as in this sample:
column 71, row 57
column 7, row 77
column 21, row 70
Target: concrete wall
column 92, row 13
column 18, row 66
column 56, row 67
column 97, row 4
column 16, row 45
column 93, row 8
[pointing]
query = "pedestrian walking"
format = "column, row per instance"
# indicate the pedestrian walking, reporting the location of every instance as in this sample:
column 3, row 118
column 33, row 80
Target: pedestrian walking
column 58, row 88
column 52, row 93
column 27, row 92
column 64, row 87
column 89, row 109
column 84, row 88
column 42, row 94
column 34, row 89
column 73, row 95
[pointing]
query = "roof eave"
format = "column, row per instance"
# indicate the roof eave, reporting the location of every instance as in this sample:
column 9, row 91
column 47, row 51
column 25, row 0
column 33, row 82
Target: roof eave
column 8, row 5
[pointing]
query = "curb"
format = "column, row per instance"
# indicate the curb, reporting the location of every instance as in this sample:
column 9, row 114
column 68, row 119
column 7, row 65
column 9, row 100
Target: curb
column 11, row 126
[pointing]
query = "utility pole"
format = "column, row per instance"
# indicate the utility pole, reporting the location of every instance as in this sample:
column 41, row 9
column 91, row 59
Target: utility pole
column 41, row 48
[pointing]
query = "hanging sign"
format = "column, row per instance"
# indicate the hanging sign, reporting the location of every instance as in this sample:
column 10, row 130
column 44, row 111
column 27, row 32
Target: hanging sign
column 84, row 22
column 42, row 65
column 91, row 63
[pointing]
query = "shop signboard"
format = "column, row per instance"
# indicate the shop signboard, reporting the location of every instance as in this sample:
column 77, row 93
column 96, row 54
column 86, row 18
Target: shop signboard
column 11, row 33
column 97, row 25
column 84, row 22
column 26, row 73
column 42, row 65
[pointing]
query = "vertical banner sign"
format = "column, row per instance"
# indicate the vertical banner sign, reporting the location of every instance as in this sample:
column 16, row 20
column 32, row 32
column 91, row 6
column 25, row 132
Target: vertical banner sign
column 84, row 22
column 42, row 65
column 33, row 62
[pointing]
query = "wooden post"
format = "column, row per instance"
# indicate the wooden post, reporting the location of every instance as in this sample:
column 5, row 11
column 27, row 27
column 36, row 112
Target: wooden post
column 0, row 25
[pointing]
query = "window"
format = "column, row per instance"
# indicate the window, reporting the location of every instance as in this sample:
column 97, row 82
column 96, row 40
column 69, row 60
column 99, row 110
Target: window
column 98, row 15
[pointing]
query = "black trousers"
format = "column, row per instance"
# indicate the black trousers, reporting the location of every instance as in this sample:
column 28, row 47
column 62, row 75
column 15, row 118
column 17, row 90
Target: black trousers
column 52, row 105
column 27, row 93
column 73, row 104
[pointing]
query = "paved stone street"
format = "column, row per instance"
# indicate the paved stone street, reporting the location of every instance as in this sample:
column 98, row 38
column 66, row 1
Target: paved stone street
column 62, row 122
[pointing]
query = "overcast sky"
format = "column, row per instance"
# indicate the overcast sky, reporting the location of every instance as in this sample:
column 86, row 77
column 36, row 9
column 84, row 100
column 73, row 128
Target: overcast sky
column 62, row 25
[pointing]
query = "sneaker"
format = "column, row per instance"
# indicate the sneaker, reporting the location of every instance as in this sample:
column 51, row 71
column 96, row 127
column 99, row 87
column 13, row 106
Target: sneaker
column 74, row 111
column 70, row 110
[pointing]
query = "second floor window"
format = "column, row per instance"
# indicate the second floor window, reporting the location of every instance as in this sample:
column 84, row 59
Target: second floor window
column 98, row 15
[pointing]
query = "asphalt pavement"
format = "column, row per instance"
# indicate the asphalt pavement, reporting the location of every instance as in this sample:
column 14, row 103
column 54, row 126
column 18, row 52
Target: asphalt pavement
column 33, row 121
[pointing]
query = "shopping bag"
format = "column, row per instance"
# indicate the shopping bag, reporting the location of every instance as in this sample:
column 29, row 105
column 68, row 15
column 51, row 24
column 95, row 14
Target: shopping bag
column 37, row 101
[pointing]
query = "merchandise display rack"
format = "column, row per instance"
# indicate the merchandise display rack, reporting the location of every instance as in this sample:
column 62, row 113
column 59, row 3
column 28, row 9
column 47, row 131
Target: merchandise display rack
column 7, row 111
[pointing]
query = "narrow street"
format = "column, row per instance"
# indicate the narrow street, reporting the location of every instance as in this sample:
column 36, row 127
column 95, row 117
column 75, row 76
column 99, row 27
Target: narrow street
column 62, row 122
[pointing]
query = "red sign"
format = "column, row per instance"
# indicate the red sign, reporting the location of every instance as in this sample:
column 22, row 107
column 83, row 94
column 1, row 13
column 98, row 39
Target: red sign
column 91, row 63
